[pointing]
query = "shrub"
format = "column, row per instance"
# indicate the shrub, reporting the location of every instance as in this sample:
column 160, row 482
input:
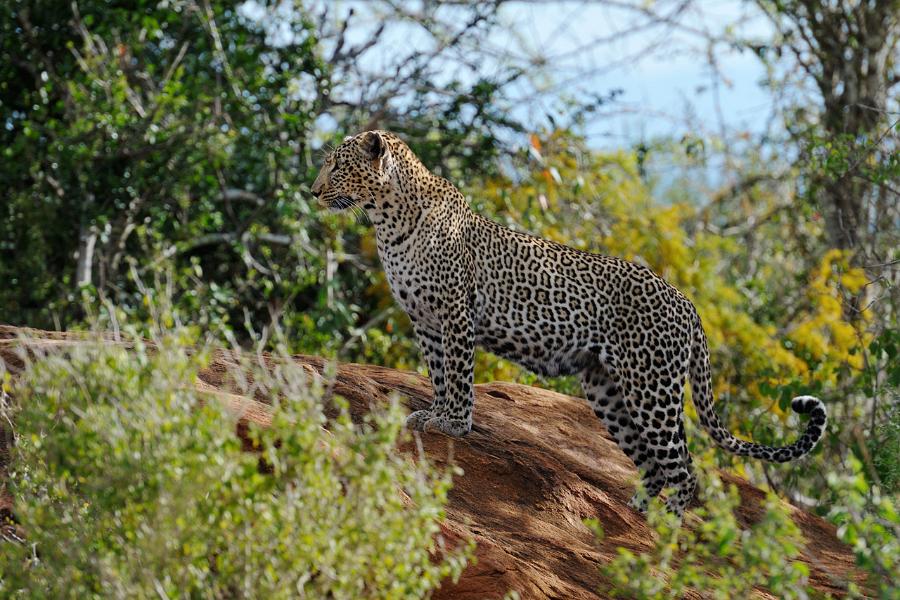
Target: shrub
column 716, row 556
column 130, row 485
column 868, row 520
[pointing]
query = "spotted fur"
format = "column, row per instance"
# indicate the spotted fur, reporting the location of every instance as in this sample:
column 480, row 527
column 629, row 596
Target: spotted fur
column 465, row 281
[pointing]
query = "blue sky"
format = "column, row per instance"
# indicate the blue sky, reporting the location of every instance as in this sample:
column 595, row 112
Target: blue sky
column 664, row 74
column 665, row 77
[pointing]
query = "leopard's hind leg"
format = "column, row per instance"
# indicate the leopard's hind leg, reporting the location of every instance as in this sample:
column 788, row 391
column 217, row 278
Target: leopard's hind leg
column 673, row 457
column 653, row 381
column 606, row 398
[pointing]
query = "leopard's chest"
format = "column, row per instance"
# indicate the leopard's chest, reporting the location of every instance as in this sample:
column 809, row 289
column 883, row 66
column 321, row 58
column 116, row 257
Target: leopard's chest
column 412, row 283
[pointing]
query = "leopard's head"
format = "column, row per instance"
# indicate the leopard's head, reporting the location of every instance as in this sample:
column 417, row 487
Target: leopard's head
column 358, row 172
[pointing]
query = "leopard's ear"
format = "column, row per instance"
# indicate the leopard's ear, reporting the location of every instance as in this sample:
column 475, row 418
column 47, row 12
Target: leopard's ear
column 375, row 147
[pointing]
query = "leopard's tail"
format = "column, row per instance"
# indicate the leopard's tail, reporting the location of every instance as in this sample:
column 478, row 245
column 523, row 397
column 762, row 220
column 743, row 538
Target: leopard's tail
column 701, row 391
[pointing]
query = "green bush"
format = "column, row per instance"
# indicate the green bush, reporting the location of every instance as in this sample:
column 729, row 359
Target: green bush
column 885, row 449
column 716, row 556
column 880, row 382
column 129, row 485
column 868, row 520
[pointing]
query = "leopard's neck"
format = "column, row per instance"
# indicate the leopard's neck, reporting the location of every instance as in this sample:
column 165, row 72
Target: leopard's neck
column 422, row 205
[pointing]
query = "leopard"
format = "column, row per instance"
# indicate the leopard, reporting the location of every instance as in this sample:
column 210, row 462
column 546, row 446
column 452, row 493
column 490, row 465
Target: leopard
column 466, row 281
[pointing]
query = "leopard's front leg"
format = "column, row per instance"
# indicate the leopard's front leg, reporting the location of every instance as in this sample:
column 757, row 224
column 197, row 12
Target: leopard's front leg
column 432, row 347
column 453, row 416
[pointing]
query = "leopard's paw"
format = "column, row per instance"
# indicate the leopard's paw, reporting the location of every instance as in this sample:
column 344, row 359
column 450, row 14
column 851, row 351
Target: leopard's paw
column 416, row 420
column 639, row 502
column 452, row 427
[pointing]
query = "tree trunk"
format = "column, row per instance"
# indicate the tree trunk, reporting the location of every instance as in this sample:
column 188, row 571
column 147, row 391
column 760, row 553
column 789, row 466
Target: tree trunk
column 855, row 45
column 87, row 239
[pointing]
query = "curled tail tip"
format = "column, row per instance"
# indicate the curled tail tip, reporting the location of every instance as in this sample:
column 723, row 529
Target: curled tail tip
column 805, row 405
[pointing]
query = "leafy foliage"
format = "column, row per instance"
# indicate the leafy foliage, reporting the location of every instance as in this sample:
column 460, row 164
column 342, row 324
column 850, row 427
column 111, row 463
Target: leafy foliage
column 171, row 145
column 869, row 521
column 880, row 381
column 148, row 135
column 715, row 556
column 133, row 484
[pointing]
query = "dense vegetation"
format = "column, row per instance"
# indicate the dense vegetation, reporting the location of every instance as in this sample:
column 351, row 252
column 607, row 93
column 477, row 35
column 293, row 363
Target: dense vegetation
column 156, row 163
column 134, row 488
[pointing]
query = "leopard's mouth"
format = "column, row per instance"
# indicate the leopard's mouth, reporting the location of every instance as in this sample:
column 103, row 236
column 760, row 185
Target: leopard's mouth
column 340, row 203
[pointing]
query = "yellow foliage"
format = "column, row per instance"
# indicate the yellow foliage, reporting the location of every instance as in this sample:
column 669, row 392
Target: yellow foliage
column 821, row 331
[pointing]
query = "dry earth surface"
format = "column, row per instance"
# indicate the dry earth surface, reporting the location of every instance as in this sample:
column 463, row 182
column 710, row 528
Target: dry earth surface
column 536, row 464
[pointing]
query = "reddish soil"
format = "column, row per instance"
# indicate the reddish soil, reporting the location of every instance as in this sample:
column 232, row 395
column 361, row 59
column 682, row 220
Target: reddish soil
column 535, row 465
